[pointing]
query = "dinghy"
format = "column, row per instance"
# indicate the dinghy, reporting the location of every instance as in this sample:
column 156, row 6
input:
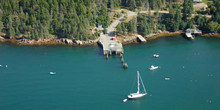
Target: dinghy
column 52, row 73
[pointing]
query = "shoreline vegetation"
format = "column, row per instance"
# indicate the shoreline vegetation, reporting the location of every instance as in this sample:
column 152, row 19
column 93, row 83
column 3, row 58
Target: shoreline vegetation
column 56, row 22
column 49, row 41
column 64, row 41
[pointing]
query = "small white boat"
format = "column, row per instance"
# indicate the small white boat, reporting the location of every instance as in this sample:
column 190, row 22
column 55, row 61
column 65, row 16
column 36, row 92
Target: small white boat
column 167, row 79
column 0, row 65
column 138, row 94
column 153, row 67
column 6, row 66
column 52, row 73
column 156, row 55
column 125, row 100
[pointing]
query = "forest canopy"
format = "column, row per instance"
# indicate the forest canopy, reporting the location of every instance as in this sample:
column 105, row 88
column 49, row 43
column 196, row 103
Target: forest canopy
column 35, row 19
column 75, row 19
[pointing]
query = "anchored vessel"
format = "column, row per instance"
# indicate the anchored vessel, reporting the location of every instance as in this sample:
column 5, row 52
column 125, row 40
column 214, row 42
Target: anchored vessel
column 153, row 67
column 138, row 94
column 156, row 55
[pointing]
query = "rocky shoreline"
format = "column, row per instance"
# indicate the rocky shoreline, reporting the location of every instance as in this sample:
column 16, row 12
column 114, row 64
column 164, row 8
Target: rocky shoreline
column 133, row 38
column 50, row 41
column 73, row 42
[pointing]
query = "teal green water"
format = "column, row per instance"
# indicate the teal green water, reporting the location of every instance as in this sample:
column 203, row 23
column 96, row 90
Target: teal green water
column 85, row 80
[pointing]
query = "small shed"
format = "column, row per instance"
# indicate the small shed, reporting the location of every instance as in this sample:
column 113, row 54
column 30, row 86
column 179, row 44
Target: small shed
column 100, row 28
column 194, row 31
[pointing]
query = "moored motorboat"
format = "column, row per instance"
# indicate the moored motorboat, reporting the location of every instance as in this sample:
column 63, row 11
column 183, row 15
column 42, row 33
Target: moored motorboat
column 156, row 55
column 153, row 67
column 167, row 79
column 52, row 73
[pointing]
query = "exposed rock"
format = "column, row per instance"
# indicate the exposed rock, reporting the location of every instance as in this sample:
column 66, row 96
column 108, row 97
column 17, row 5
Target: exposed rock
column 90, row 41
column 159, row 31
column 68, row 41
column 78, row 42
column 50, row 41
column 2, row 38
column 125, row 65
column 151, row 35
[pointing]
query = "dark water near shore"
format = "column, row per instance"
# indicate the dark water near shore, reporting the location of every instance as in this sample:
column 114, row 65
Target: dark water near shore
column 85, row 80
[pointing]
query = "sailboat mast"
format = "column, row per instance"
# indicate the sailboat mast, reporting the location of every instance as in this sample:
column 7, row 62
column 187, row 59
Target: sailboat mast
column 138, row 82
column 143, row 85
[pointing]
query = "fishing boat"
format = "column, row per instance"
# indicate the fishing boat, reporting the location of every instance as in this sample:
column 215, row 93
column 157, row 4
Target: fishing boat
column 153, row 67
column 138, row 94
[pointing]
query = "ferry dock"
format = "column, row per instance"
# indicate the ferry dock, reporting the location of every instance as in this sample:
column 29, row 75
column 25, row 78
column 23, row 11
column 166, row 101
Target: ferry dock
column 110, row 45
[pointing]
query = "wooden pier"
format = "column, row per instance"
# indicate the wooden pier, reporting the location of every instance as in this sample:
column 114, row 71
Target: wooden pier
column 189, row 35
column 110, row 46
column 189, row 32
column 141, row 38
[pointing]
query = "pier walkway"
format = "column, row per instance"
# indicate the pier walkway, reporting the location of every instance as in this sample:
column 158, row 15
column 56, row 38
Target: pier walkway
column 111, row 46
column 141, row 39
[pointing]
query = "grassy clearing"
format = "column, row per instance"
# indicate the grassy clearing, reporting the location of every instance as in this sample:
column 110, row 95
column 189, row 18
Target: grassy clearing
column 206, row 1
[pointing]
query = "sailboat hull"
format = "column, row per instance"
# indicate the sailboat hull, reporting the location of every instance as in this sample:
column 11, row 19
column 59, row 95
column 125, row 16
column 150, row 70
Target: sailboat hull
column 136, row 95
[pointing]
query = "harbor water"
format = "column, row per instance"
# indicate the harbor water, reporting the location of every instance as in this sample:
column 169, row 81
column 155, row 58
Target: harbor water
column 85, row 80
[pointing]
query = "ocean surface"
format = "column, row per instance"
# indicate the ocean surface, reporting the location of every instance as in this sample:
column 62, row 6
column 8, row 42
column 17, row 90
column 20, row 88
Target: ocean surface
column 85, row 80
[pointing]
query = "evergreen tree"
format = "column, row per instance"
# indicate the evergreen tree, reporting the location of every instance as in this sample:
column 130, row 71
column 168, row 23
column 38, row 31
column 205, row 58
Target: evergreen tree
column 36, row 35
column 1, row 25
column 144, row 27
column 105, row 31
column 119, row 29
column 11, row 32
column 123, row 28
column 213, row 27
column 132, row 4
column 187, row 8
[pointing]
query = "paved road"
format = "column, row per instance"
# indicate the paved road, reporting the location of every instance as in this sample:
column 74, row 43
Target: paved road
column 112, row 27
column 106, row 38
column 114, row 24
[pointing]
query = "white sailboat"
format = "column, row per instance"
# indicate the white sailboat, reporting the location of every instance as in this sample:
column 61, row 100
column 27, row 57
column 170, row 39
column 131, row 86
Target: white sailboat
column 138, row 94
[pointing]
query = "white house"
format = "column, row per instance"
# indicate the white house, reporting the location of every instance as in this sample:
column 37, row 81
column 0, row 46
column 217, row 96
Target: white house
column 197, row 1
